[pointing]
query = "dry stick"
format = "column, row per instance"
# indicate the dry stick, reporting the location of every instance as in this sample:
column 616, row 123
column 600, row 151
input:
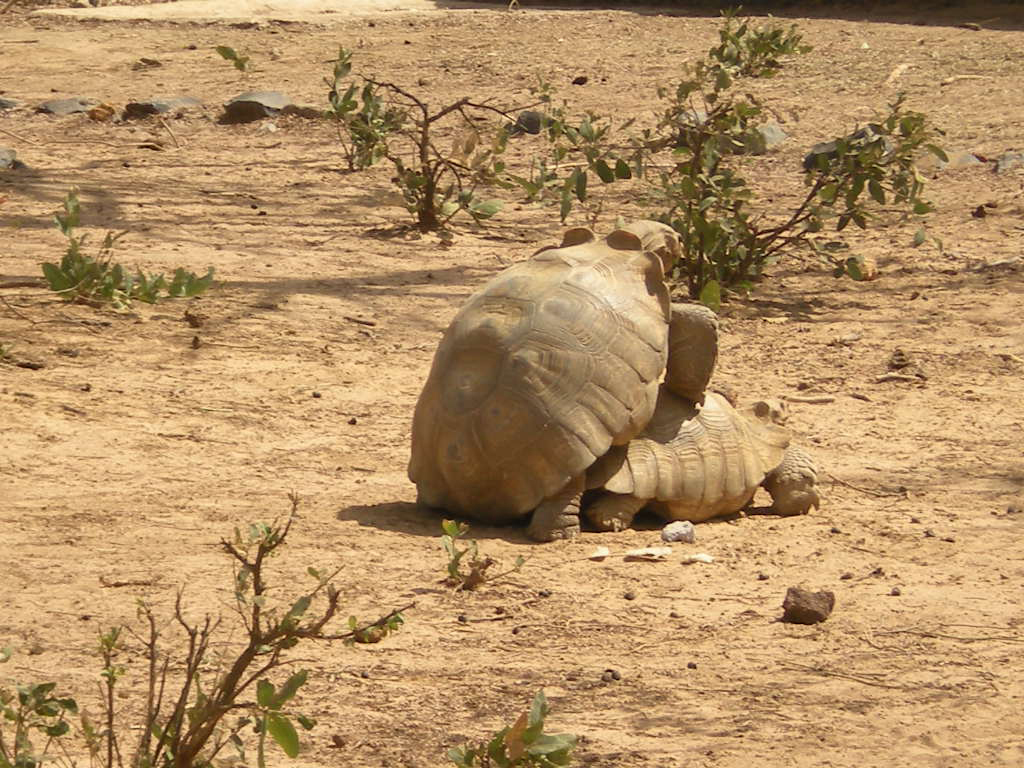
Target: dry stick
column 169, row 131
column 879, row 494
column 36, row 283
column 16, row 312
column 929, row 633
column 844, row 675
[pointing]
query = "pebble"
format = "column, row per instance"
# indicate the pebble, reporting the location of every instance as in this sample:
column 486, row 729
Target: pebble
column 254, row 105
column 611, row 674
column 801, row 606
column 134, row 110
column 69, row 106
column 9, row 160
column 895, row 591
column 6, row 104
column 680, row 530
column 700, row 557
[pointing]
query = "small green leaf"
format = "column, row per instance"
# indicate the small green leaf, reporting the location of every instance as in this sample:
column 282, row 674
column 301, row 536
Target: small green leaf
column 606, row 174
column 580, row 185
column 281, row 728
column 938, row 152
column 308, row 723
column 484, row 209
column 876, row 191
column 853, row 268
column 265, row 693
column 57, row 729
column 711, row 295
column 919, row 237
column 921, row 207
column 290, row 688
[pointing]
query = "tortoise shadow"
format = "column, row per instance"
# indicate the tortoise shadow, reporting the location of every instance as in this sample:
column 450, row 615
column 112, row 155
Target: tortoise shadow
column 416, row 520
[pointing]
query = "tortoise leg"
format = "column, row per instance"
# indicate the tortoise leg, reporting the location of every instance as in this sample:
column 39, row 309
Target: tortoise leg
column 792, row 484
column 614, row 511
column 559, row 516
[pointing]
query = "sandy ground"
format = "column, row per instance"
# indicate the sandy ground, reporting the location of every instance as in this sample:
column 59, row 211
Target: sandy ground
column 130, row 452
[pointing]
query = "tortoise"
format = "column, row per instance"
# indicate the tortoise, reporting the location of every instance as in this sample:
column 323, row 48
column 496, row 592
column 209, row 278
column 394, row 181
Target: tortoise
column 697, row 462
column 554, row 361
column 700, row 458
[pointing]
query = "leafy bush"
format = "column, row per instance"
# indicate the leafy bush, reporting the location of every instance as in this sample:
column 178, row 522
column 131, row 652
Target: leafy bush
column 522, row 744
column 754, row 51
column 381, row 120
column 215, row 699
column 99, row 280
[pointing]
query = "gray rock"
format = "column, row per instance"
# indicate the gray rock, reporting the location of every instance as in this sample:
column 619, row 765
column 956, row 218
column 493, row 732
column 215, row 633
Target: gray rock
column 527, row 122
column 1008, row 161
column 772, row 134
column 680, row 530
column 802, row 606
column 9, row 160
column 827, row 151
column 134, row 110
column 254, row 105
column 956, row 160
column 69, row 106
column 6, row 104
column 308, row 111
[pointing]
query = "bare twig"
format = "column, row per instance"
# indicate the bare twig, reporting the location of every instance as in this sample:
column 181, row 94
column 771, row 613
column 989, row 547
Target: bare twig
column 868, row 491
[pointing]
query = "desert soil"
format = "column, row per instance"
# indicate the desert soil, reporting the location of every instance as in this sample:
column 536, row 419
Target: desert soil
column 134, row 441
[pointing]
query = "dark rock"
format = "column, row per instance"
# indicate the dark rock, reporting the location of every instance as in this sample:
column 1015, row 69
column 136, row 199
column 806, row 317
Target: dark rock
column 824, row 153
column 9, row 160
column 895, row 591
column 308, row 111
column 1008, row 161
column 254, row 105
column 134, row 110
column 580, row 80
column 802, row 606
column 527, row 122
column 63, row 107
column 6, row 104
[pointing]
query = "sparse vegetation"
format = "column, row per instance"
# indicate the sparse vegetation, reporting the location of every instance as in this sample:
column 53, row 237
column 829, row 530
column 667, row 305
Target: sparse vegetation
column 754, row 51
column 193, row 715
column 238, row 60
column 381, row 120
column 476, row 566
column 524, row 743
column 100, row 280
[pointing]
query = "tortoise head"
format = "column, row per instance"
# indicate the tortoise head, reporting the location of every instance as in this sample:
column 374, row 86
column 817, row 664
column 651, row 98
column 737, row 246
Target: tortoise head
column 659, row 239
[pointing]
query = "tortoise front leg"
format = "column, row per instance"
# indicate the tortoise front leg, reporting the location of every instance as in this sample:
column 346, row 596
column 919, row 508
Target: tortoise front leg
column 792, row 484
column 614, row 511
column 559, row 516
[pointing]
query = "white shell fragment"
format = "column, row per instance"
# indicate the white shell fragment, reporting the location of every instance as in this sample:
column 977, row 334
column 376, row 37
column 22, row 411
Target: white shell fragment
column 649, row 553
column 600, row 553
column 680, row 530
column 700, row 557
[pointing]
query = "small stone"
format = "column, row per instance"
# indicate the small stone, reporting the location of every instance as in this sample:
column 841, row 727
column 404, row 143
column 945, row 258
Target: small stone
column 580, row 80
column 895, row 591
column 9, row 160
column 6, row 104
column 629, row 596
column 135, row 110
column 365, row 675
column 680, row 530
column 957, row 160
column 463, row 619
column 317, row 395
column 307, row 111
column 527, row 122
column 254, row 105
column 846, row 576
column 64, row 107
column 610, row 675
column 1008, row 161
column 801, row 606
column 675, row 615
column 949, row 539
column 916, row 520
column 833, row 529
column 762, row 577
column 1012, row 510
column 352, row 420
column 691, row 665
column 543, row 593
column 929, row 533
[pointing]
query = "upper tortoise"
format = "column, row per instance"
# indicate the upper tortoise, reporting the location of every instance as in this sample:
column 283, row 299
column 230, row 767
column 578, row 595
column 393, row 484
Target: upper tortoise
column 551, row 363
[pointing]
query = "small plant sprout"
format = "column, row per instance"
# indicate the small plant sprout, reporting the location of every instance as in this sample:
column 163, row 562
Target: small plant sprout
column 32, row 719
column 476, row 567
column 240, row 61
column 522, row 744
column 99, row 280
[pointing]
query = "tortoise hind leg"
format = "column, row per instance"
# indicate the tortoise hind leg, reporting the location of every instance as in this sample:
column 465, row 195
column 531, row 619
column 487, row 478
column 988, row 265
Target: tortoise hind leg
column 792, row 484
column 614, row 511
column 559, row 516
